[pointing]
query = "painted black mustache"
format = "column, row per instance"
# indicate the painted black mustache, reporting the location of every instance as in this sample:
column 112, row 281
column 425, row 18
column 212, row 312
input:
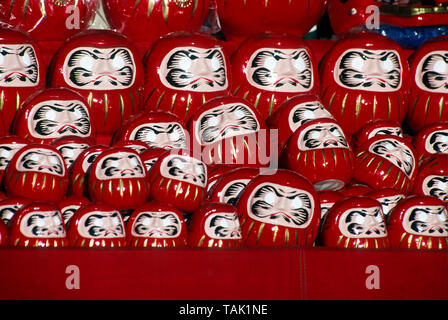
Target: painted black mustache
column 30, row 73
column 82, row 77
column 353, row 78
column 212, row 133
column 296, row 216
column 180, row 78
column 265, row 77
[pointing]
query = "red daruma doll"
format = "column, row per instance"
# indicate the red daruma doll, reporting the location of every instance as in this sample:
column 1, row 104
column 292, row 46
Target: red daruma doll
column 156, row 225
column 279, row 210
column 183, row 71
column 365, row 77
column 105, row 68
column 356, row 222
column 22, row 72
column 268, row 69
column 37, row 172
column 179, row 178
column 419, row 222
column 215, row 225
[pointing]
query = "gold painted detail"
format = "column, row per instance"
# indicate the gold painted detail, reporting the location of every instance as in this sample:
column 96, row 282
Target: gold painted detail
column 183, row 3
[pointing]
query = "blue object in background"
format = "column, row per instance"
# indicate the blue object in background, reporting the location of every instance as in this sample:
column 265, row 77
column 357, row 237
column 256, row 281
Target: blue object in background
column 411, row 37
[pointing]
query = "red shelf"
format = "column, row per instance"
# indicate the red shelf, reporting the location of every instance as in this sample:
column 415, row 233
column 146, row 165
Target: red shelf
column 223, row 274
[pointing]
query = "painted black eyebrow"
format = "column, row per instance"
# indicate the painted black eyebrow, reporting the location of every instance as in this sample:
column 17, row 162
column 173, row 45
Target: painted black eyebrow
column 108, row 159
column 36, row 215
column 211, row 54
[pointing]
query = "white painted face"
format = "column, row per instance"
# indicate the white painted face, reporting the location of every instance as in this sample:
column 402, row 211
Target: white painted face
column 426, row 221
column 158, row 225
column 18, row 66
column 90, row 68
column 101, row 224
column 280, row 70
column 165, row 135
column 150, row 163
column 322, row 136
column 231, row 191
column 7, row 212
column 184, row 168
column 70, row 152
column 363, row 223
column 68, row 212
column 324, row 208
column 436, row 186
column 437, row 142
column 280, row 205
column 369, row 70
column 389, row 203
column 225, row 121
column 222, row 226
column 87, row 162
column 57, row 118
column 120, row 165
column 43, row 224
column 194, row 69
column 432, row 72
column 396, row 152
column 7, row 152
column 305, row 112
column 394, row 131
column 330, row 184
column 41, row 160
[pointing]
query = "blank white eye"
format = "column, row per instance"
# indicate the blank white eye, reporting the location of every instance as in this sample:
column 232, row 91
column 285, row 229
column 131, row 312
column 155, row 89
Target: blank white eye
column 440, row 67
column 115, row 221
column 444, row 138
column 185, row 63
column 388, row 65
column 315, row 135
column 175, row 136
column 146, row 222
column 118, row 63
column 78, row 114
column 40, row 222
column 216, row 64
column 151, row 136
column 223, row 223
column 443, row 216
column 389, row 146
column 213, row 121
column 270, row 63
column 98, row 222
column 308, row 114
column 422, row 217
column 55, row 160
column 114, row 164
column 357, row 63
column 26, row 59
column 134, row 162
column 34, row 157
column 69, row 153
column 180, row 165
column 198, row 170
column 57, row 220
column 297, row 202
column 270, row 198
column 359, row 219
column 51, row 115
column 239, row 114
column 2, row 60
column 336, row 133
column 4, row 153
column 86, row 63
column 299, row 64
column 166, row 222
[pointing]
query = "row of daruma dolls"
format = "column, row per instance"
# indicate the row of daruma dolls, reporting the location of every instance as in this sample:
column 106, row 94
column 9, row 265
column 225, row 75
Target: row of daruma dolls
column 363, row 77
column 280, row 209
column 364, row 87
